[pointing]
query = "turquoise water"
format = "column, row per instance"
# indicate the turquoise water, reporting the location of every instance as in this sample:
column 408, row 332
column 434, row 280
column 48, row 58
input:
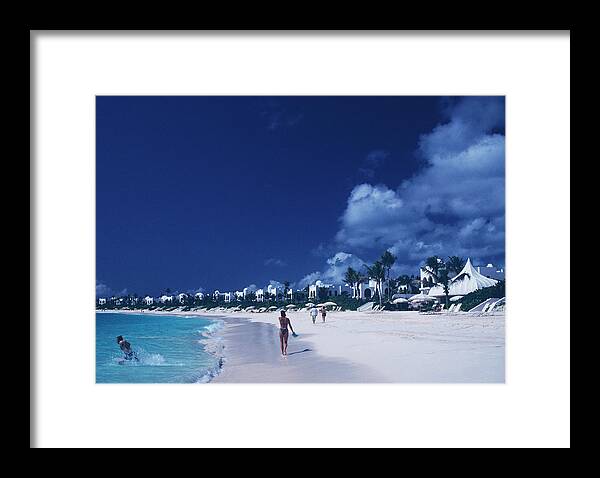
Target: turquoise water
column 171, row 349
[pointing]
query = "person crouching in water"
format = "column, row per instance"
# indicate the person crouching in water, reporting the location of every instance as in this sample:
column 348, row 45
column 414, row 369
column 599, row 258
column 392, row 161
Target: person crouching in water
column 126, row 349
column 284, row 322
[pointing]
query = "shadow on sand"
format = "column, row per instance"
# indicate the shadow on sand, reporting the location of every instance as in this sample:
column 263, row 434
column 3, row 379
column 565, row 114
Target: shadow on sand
column 300, row 352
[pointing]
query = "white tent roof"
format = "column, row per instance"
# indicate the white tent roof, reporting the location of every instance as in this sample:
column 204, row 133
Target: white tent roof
column 467, row 281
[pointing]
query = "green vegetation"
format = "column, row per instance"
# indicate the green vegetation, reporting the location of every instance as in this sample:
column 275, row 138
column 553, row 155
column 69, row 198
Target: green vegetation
column 475, row 298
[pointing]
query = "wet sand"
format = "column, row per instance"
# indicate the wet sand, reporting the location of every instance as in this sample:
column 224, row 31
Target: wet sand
column 252, row 354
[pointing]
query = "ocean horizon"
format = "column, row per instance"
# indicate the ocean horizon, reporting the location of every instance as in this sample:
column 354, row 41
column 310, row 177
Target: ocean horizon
column 170, row 348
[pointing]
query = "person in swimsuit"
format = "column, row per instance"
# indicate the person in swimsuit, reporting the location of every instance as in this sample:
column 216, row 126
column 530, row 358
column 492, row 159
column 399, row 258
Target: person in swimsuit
column 284, row 322
column 313, row 314
column 323, row 313
column 126, row 349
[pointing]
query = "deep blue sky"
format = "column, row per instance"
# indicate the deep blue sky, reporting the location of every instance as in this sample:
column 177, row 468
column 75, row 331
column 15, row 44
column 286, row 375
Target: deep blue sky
column 223, row 192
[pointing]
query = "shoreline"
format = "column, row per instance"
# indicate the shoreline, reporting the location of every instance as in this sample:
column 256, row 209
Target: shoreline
column 358, row 347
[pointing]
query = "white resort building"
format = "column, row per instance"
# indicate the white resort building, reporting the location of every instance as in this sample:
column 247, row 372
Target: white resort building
column 321, row 291
column 366, row 290
column 274, row 291
column 296, row 295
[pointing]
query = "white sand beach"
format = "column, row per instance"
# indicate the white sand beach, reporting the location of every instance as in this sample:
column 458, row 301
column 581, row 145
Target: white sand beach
column 370, row 347
column 360, row 347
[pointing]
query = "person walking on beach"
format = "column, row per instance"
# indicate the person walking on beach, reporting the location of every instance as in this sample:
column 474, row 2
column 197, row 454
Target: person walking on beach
column 284, row 322
column 313, row 314
column 323, row 313
column 126, row 349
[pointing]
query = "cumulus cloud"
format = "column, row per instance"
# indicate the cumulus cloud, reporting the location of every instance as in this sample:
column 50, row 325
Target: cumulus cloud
column 454, row 205
column 102, row 290
column 334, row 270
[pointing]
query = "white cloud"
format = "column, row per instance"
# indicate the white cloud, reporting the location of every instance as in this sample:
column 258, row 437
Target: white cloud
column 102, row 290
column 309, row 279
column 455, row 205
column 334, row 272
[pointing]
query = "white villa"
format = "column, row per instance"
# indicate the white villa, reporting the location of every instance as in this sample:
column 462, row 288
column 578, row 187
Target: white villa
column 366, row 290
column 182, row 297
column 274, row 291
column 297, row 294
column 101, row 301
column 148, row 300
column 331, row 290
column 467, row 281
column 166, row 298
column 199, row 295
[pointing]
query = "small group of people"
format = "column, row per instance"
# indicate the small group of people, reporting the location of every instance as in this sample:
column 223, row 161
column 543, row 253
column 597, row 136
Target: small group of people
column 284, row 323
column 314, row 312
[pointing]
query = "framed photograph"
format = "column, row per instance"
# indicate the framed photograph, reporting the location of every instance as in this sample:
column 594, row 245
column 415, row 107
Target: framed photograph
column 305, row 239
column 300, row 239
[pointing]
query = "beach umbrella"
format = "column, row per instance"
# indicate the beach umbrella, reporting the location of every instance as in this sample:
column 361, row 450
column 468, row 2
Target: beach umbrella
column 399, row 300
column 456, row 297
column 249, row 308
column 272, row 308
column 291, row 306
column 421, row 297
column 329, row 304
column 310, row 304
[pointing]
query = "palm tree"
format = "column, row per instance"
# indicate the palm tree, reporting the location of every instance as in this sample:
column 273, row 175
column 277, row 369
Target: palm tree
column 455, row 264
column 352, row 277
column 433, row 265
column 404, row 280
column 377, row 272
column 388, row 260
column 444, row 279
